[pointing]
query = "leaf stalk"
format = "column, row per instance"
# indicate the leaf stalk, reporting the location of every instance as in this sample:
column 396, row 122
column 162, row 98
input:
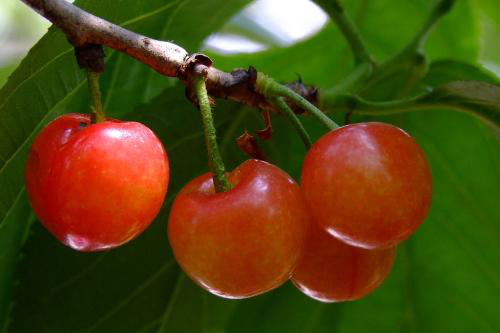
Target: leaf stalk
column 281, row 105
column 268, row 87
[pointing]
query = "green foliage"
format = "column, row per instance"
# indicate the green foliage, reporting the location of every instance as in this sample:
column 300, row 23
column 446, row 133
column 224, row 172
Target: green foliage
column 446, row 277
column 471, row 95
column 490, row 8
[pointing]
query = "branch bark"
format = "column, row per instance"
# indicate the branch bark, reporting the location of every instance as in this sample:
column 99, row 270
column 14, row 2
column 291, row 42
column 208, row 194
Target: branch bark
column 83, row 28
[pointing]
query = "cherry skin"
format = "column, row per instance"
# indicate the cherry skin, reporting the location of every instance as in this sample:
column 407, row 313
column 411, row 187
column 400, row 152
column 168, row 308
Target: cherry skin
column 96, row 186
column 242, row 242
column 332, row 271
column 368, row 184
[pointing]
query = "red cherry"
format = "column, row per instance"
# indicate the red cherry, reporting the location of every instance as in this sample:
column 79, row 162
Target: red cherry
column 367, row 184
column 242, row 242
column 96, row 186
column 332, row 271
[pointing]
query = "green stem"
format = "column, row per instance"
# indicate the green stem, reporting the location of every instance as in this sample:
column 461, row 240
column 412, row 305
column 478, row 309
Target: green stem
column 215, row 162
column 281, row 105
column 348, row 29
column 417, row 42
column 411, row 57
column 270, row 88
column 441, row 9
column 402, row 107
column 356, row 104
column 422, row 102
column 97, row 115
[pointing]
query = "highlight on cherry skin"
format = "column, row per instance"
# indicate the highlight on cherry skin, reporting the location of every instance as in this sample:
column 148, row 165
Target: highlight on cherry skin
column 96, row 186
column 368, row 184
column 242, row 242
column 332, row 271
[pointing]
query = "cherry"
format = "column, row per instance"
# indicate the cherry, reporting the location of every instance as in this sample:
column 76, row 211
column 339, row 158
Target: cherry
column 367, row 184
column 242, row 242
column 332, row 271
column 96, row 186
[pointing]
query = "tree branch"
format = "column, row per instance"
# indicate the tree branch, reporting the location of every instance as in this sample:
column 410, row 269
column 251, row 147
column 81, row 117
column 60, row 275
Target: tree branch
column 83, row 28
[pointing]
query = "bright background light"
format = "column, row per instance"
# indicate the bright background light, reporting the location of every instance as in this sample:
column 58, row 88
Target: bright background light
column 229, row 44
column 271, row 23
column 261, row 25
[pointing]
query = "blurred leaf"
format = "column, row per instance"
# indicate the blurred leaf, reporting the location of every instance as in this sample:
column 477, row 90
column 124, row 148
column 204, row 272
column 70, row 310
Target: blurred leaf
column 244, row 26
column 13, row 233
column 395, row 22
column 476, row 98
column 465, row 85
column 5, row 72
column 490, row 48
column 383, row 41
column 48, row 83
column 451, row 36
column 132, row 286
column 481, row 98
column 446, row 278
column 456, row 35
column 490, row 8
column 448, row 84
column 444, row 71
column 469, row 93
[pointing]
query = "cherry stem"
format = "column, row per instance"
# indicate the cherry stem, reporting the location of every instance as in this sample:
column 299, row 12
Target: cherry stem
column 97, row 115
column 270, row 88
column 281, row 105
column 215, row 162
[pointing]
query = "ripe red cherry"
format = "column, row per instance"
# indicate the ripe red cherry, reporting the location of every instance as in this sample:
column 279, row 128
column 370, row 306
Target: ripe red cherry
column 96, row 186
column 332, row 271
column 242, row 242
column 367, row 184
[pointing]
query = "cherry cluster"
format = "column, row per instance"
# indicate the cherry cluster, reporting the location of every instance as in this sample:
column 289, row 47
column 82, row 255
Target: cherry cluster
column 364, row 189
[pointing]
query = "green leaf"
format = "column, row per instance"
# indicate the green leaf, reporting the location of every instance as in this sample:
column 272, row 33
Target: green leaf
column 490, row 8
column 13, row 233
column 483, row 98
column 5, row 72
column 448, row 84
column 383, row 41
column 397, row 78
column 469, row 87
column 476, row 98
column 443, row 71
column 135, row 281
column 48, row 83
column 456, row 34
column 388, row 25
column 445, row 278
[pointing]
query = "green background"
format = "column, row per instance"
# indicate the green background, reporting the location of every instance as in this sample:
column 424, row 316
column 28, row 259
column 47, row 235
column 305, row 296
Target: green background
column 446, row 277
